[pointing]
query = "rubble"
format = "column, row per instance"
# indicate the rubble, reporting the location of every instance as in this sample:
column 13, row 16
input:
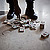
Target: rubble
column 8, row 23
column 21, row 29
column 27, row 23
column 45, row 35
column 42, row 25
column 15, row 26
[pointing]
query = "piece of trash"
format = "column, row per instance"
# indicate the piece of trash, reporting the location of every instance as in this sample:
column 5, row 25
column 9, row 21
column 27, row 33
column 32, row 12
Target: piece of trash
column 37, row 21
column 15, row 26
column 42, row 24
column 8, row 23
column 16, row 22
column 45, row 35
column 32, row 26
column 21, row 29
column 26, row 25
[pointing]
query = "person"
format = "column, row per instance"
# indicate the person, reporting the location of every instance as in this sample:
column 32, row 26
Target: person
column 15, row 9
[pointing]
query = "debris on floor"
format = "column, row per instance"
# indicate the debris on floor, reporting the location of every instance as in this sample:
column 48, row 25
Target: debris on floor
column 22, row 24
column 14, row 27
column 5, row 22
column 37, row 21
column 42, row 25
column 21, row 29
column 45, row 35
column 16, row 22
column 8, row 23
column 32, row 26
column 27, row 23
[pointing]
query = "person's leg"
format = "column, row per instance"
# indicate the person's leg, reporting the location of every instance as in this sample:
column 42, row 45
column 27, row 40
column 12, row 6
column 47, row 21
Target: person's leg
column 14, row 7
column 14, row 11
column 11, row 11
column 17, row 8
column 29, row 10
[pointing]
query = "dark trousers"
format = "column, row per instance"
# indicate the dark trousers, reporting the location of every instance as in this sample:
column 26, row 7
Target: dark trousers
column 13, row 4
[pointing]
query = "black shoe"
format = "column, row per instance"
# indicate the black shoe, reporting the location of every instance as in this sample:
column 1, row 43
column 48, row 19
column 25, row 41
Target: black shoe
column 31, row 14
column 34, row 17
column 10, row 15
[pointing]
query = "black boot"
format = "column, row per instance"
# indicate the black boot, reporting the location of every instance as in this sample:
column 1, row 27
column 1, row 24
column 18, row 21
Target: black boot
column 29, row 10
column 10, row 15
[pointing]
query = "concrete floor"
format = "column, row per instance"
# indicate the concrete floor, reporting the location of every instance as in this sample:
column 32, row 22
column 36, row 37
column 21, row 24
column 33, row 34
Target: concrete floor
column 29, row 40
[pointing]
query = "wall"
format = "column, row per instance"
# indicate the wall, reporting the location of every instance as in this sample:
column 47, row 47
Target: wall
column 3, row 7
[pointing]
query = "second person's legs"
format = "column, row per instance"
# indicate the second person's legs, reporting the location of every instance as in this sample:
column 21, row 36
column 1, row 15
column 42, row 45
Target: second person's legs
column 29, row 10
